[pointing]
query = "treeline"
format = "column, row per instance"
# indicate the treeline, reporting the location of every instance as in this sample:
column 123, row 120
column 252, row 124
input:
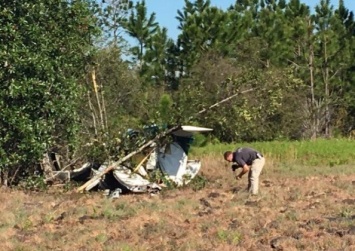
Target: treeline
column 73, row 85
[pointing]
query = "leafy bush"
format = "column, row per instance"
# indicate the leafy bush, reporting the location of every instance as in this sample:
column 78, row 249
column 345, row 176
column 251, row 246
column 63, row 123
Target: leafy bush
column 44, row 46
column 198, row 182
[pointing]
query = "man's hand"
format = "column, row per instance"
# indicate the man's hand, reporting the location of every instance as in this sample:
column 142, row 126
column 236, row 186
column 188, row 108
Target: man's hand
column 244, row 171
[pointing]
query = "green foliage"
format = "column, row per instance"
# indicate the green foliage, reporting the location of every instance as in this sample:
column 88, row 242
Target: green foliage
column 97, row 152
column 33, row 183
column 249, row 116
column 112, row 15
column 198, row 182
column 113, row 211
column 200, row 140
column 201, row 30
column 154, row 69
column 165, row 108
column 346, row 213
column 229, row 236
column 158, row 177
column 122, row 106
column 141, row 27
column 44, row 47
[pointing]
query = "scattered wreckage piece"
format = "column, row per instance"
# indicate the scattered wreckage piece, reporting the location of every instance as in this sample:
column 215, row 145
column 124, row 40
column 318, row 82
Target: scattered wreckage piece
column 175, row 165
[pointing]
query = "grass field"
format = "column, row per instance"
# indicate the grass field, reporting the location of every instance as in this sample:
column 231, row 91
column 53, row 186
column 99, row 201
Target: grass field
column 306, row 202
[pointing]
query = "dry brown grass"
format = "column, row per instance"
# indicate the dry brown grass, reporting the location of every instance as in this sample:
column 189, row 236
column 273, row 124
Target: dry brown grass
column 291, row 213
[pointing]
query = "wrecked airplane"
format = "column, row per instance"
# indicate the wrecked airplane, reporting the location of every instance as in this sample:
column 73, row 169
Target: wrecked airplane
column 168, row 162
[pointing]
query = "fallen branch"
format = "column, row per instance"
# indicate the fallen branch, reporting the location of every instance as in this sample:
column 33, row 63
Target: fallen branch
column 14, row 176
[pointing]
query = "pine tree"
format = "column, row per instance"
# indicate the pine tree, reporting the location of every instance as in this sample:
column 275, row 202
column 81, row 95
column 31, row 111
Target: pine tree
column 141, row 26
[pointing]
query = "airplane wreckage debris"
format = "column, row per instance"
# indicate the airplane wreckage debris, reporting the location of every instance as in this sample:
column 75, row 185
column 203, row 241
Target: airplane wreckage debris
column 169, row 160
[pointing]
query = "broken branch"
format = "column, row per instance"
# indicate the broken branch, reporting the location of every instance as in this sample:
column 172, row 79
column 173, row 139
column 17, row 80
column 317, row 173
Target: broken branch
column 142, row 161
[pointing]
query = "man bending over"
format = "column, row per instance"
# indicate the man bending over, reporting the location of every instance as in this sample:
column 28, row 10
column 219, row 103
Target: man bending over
column 250, row 161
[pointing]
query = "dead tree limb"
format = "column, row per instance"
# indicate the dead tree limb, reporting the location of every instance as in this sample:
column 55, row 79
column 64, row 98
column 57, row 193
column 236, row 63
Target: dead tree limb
column 99, row 105
column 224, row 100
column 140, row 149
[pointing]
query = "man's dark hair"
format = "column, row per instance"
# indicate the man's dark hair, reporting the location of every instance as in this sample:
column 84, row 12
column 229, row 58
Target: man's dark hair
column 226, row 154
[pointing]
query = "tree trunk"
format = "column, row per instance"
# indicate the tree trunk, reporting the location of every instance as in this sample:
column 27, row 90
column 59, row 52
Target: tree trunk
column 314, row 126
column 4, row 178
column 92, row 113
column 326, row 92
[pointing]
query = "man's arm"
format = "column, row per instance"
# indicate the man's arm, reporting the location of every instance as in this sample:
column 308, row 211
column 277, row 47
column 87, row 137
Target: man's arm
column 244, row 165
column 244, row 171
